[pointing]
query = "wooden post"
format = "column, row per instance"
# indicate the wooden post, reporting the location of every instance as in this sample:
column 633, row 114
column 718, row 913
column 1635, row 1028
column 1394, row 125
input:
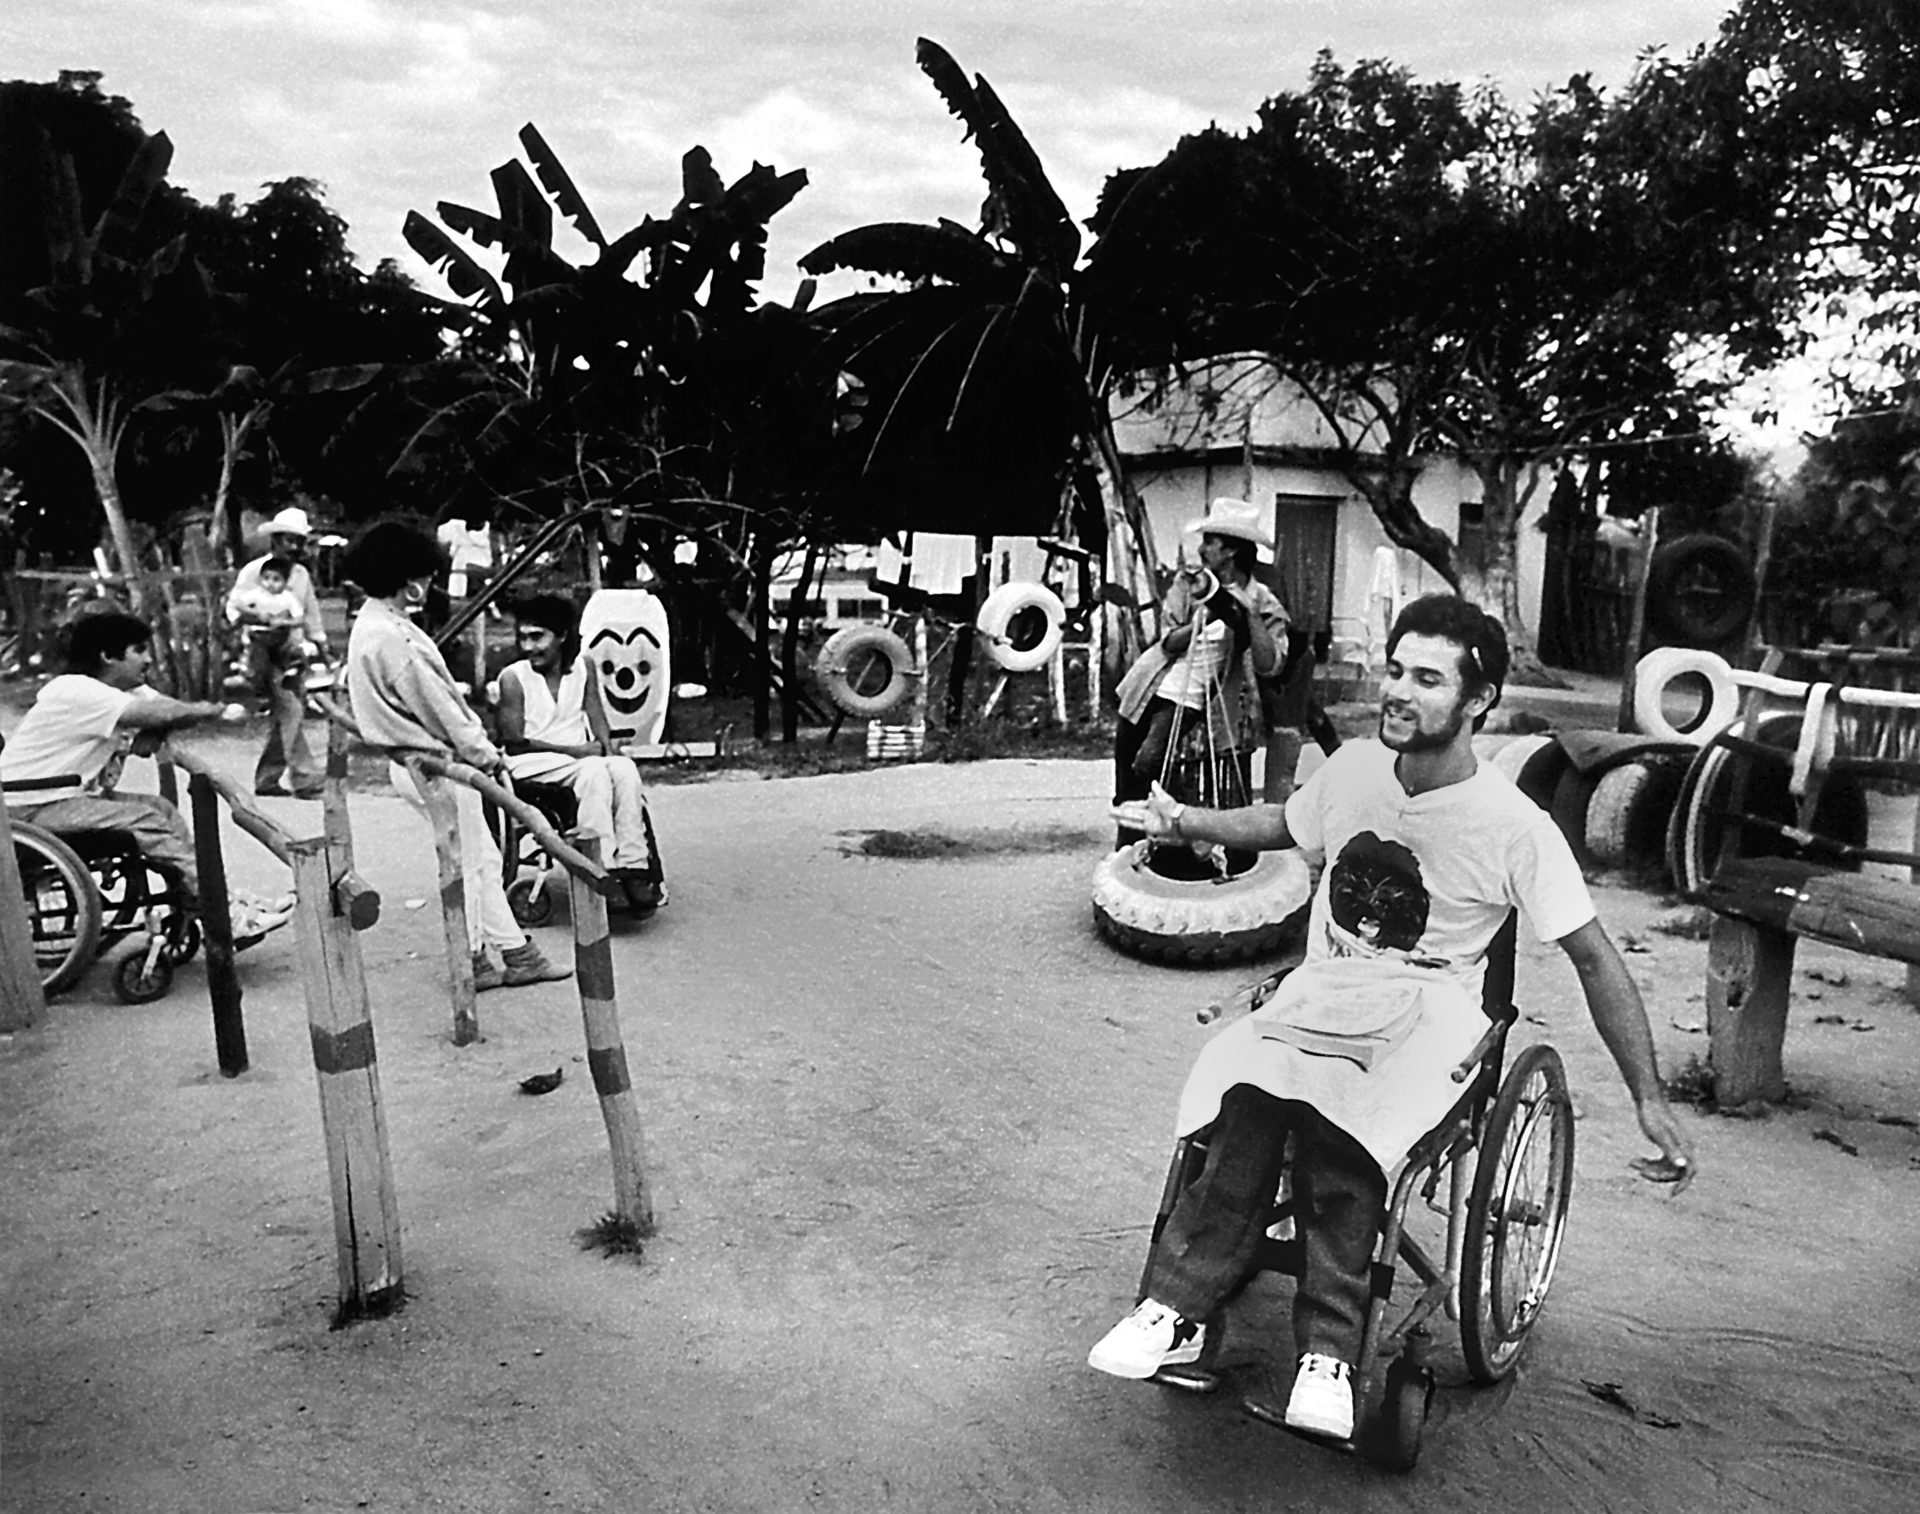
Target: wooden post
column 337, row 819
column 366, row 1210
column 606, row 1053
column 445, row 815
column 22, row 1001
column 1749, row 980
column 216, row 926
column 1637, row 618
column 1913, row 972
column 169, row 781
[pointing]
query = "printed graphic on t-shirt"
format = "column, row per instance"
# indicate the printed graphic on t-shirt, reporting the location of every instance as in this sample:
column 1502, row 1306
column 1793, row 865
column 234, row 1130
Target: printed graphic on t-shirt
column 1377, row 901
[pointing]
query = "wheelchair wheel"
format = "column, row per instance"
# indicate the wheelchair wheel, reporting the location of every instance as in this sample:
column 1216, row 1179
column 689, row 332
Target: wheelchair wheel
column 63, row 906
column 1393, row 1434
column 134, row 983
column 530, row 901
column 1517, row 1212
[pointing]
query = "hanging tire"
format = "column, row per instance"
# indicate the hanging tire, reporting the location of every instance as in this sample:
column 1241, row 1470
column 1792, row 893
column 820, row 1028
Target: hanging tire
column 1627, row 815
column 1022, row 624
column 1516, row 1212
column 1698, row 827
column 63, row 906
column 865, row 670
column 1201, row 922
column 1699, row 590
column 1659, row 670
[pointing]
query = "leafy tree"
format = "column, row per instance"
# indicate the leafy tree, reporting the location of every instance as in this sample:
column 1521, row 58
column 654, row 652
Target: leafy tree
column 1512, row 287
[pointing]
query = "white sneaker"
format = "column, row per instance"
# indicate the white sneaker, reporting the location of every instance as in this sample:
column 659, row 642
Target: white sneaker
column 1151, row 1337
column 1322, row 1401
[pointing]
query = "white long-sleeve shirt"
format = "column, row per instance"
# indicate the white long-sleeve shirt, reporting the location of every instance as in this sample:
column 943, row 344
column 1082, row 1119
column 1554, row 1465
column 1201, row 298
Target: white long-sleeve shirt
column 402, row 694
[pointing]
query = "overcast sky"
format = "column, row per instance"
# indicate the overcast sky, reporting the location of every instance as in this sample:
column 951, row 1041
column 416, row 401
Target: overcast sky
column 397, row 104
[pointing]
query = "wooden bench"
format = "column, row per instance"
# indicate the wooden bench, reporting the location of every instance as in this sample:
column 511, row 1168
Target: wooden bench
column 1764, row 905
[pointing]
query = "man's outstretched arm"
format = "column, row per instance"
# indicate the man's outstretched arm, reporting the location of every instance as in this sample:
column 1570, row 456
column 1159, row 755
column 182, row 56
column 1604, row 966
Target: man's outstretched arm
column 1621, row 1018
column 1254, row 828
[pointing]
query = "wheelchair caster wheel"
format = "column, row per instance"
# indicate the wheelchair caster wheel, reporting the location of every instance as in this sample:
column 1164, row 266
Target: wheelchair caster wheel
column 186, row 943
column 530, row 902
column 134, row 983
column 1393, row 1435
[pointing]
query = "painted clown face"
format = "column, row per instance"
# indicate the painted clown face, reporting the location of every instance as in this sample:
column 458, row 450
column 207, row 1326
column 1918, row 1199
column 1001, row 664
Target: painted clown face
column 623, row 636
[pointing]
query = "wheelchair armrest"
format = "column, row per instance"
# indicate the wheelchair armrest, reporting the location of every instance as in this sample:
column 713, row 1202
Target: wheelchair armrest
column 1496, row 1033
column 1245, row 1000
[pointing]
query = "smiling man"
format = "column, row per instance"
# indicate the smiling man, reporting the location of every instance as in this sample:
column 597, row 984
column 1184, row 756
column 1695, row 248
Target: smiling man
column 1428, row 851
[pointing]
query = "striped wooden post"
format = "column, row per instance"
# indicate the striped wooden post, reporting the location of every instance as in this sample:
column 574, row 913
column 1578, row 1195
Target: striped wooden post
column 216, row 928
column 366, row 1210
column 606, row 1053
column 22, row 1001
column 445, row 815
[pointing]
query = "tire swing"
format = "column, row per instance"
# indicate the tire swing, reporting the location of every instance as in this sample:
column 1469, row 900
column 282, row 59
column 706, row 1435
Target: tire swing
column 1201, row 922
column 865, row 670
column 1022, row 624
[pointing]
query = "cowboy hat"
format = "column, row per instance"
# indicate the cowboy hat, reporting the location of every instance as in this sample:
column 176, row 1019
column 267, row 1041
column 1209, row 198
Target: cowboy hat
column 291, row 521
column 1232, row 517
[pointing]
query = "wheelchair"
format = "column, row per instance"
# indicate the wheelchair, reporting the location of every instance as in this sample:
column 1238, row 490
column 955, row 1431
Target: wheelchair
column 1504, row 1153
column 528, row 870
column 85, row 893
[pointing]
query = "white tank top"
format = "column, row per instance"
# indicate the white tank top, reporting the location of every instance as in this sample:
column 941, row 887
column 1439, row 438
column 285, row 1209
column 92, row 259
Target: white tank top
column 561, row 720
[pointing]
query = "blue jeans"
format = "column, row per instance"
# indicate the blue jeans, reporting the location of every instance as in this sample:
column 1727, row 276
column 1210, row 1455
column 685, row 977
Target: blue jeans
column 1207, row 1247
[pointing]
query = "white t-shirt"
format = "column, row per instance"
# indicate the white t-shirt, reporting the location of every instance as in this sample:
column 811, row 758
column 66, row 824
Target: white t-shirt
column 1429, row 877
column 72, row 730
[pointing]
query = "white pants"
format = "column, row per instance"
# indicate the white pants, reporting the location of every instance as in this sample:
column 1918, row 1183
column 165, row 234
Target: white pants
column 613, row 804
column 490, row 919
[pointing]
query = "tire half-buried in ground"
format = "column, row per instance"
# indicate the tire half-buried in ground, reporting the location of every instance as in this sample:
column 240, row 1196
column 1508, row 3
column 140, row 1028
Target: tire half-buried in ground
column 1255, row 912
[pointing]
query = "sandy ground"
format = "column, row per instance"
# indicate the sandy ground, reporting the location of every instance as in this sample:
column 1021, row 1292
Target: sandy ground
column 907, row 1121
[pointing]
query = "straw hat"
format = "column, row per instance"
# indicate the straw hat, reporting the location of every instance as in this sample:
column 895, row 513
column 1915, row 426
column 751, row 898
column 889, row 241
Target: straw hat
column 1232, row 517
column 291, row 521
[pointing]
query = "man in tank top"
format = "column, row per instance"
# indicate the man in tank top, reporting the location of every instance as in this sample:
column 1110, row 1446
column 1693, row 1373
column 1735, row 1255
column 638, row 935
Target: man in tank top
column 553, row 729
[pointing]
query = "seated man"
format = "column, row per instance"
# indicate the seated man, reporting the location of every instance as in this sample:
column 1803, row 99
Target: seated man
column 404, row 698
column 1428, row 850
column 554, row 730
column 62, row 763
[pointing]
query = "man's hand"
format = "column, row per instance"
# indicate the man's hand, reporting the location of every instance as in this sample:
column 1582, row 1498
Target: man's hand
column 1162, row 813
column 1675, row 1163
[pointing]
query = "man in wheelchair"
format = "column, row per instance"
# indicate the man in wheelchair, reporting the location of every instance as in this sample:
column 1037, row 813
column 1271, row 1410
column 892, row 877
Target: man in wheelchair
column 1428, row 852
column 61, row 767
column 554, row 730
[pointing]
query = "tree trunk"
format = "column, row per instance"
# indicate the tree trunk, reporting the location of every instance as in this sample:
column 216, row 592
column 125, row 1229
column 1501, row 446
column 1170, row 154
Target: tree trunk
column 1497, row 583
column 757, row 610
column 790, row 647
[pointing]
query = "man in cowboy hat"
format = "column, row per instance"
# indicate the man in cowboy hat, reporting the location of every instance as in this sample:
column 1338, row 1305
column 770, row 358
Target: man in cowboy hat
column 278, row 678
column 1195, row 671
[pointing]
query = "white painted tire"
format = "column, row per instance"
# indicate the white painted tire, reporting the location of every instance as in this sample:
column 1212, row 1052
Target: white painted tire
column 997, row 616
column 1660, row 669
column 849, row 660
column 1201, row 922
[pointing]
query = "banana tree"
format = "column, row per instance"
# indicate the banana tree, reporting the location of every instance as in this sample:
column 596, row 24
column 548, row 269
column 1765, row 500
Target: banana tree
column 988, row 313
column 65, row 354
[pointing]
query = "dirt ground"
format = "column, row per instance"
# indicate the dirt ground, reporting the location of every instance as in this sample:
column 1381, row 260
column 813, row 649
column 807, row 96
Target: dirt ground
column 907, row 1121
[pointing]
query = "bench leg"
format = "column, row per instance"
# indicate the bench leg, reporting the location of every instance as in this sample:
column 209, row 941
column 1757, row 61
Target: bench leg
column 1749, row 976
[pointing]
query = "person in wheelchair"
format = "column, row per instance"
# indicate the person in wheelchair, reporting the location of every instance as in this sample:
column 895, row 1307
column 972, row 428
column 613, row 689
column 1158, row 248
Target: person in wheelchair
column 1215, row 617
column 1428, row 852
column 554, row 730
column 62, row 764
